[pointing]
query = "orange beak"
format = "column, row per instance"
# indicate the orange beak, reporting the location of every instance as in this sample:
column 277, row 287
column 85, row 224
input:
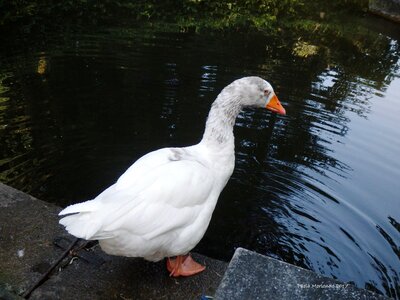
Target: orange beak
column 275, row 106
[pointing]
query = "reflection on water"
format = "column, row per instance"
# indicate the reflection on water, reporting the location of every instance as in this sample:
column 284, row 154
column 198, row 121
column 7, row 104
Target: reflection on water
column 317, row 187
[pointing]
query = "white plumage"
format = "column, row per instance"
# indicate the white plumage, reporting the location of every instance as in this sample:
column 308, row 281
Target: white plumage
column 162, row 205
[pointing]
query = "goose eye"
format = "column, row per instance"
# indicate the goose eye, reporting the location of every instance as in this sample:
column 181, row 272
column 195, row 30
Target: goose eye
column 266, row 92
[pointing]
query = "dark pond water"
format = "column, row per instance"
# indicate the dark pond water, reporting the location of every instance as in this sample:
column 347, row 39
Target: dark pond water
column 318, row 187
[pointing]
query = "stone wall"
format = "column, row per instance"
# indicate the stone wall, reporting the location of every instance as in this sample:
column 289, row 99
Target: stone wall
column 389, row 9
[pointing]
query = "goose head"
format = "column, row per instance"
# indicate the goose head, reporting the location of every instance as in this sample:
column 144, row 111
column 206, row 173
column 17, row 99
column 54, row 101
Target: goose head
column 255, row 92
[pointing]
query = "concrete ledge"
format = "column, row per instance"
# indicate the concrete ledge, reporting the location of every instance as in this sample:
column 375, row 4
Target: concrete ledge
column 254, row 276
column 27, row 228
column 128, row 278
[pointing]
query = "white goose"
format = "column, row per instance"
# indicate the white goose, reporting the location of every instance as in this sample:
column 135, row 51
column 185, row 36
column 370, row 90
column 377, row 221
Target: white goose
column 162, row 205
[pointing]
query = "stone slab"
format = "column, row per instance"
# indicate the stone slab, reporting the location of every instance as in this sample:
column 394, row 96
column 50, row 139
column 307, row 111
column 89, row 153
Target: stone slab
column 129, row 278
column 27, row 229
column 254, row 276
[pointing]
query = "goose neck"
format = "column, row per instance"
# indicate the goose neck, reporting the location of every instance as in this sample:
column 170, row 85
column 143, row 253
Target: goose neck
column 221, row 119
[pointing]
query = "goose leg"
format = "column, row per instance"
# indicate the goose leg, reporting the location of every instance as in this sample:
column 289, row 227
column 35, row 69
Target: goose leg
column 183, row 265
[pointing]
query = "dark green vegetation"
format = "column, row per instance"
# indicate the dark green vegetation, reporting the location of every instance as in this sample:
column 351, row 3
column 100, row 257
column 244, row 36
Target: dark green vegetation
column 261, row 14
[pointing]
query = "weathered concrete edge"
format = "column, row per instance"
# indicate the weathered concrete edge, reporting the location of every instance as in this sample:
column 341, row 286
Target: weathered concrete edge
column 6, row 294
column 263, row 280
column 26, row 223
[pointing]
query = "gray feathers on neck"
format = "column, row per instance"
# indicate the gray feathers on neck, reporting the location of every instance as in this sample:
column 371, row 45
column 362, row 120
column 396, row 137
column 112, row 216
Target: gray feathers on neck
column 222, row 116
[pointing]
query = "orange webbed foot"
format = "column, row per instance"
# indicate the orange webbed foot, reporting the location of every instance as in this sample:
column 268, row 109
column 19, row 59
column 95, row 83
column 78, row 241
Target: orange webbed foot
column 183, row 265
